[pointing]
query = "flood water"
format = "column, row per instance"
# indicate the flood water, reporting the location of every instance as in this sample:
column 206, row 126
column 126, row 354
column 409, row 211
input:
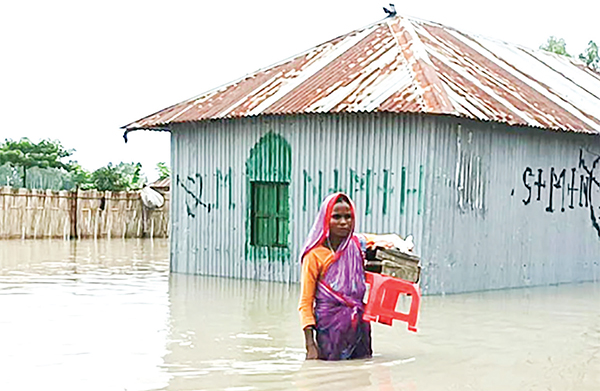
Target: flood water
column 106, row 315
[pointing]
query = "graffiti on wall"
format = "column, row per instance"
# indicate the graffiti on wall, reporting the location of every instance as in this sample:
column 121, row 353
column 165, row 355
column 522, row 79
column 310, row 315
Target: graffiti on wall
column 192, row 186
column 365, row 185
column 224, row 188
column 567, row 188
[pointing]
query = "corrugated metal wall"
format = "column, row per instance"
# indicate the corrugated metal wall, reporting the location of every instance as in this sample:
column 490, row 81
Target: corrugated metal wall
column 456, row 185
column 530, row 221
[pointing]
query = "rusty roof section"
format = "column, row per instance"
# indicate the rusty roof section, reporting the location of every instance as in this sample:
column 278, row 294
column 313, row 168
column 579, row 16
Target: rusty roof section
column 164, row 183
column 401, row 64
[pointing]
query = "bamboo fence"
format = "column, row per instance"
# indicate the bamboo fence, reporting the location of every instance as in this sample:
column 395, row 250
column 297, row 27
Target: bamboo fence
column 34, row 214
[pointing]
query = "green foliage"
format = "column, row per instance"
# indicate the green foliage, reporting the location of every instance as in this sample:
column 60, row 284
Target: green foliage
column 78, row 177
column 24, row 155
column 556, row 45
column 590, row 56
column 108, row 178
column 163, row 170
column 9, row 175
column 123, row 176
column 46, row 178
column 27, row 164
column 132, row 172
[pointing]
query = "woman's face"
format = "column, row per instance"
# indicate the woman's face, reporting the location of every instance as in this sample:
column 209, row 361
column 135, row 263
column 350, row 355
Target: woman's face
column 340, row 223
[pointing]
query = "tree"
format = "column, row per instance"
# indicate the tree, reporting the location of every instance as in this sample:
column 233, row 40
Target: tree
column 9, row 176
column 123, row 176
column 590, row 56
column 25, row 154
column 108, row 178
column 556, row 45
column 132, row 173
column 79, row 178
column 163, row 170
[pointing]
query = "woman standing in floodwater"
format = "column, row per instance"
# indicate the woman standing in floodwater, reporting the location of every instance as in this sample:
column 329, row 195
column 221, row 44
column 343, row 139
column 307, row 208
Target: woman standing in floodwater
column 333, row 285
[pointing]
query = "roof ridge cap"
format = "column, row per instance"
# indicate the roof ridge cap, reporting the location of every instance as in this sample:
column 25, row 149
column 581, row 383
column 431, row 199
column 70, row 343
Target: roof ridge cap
column 424, row 73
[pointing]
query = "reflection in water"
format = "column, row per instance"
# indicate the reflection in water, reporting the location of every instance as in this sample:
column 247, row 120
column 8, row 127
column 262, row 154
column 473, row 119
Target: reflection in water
column 106, row 315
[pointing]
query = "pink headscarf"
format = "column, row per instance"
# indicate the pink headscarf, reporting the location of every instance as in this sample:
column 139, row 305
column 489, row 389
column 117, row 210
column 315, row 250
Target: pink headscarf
column 320, row 228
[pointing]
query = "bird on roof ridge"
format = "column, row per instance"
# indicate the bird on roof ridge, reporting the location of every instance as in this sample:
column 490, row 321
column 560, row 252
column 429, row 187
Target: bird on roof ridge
column 390, row 12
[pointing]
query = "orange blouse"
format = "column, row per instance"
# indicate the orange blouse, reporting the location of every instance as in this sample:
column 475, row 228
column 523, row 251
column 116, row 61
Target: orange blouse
column 314, row 265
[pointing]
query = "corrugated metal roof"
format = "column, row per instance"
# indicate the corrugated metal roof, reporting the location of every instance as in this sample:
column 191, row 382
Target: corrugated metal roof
column 402, row 64
column 164, row 183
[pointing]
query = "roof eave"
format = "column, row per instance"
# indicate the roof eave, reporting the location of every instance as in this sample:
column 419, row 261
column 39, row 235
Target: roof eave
column 132, row 128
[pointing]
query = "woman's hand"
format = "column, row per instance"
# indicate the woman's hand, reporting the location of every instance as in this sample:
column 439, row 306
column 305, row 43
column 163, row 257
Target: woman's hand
column 312, row 350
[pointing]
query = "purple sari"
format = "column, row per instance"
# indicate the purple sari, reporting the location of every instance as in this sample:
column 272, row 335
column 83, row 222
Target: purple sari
column 341, row 332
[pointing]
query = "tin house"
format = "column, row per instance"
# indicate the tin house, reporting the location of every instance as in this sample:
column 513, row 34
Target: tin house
column 485, row 151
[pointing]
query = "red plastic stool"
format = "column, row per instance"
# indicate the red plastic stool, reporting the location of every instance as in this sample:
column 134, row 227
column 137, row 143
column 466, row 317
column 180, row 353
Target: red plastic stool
column 383, row 297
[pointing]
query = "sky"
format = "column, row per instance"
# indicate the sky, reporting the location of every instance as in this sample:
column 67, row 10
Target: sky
column 77, row 71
